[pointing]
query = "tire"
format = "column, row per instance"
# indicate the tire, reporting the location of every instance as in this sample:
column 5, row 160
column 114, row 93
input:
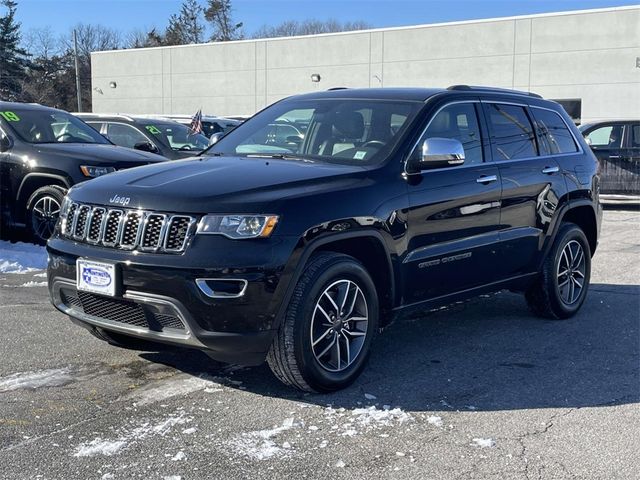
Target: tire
column 292, row 357
column 124, row 341
column 558, row 296
column 43, row 209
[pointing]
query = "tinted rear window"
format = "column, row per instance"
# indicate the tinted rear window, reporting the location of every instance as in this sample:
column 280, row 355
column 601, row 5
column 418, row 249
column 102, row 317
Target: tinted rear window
column 555, row 137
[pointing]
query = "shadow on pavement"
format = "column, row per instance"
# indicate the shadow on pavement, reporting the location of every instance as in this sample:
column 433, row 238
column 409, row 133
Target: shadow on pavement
column 486, row 354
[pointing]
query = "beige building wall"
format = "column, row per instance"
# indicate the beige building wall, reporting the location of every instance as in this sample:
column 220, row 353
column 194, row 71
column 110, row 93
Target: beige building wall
column 593, row 55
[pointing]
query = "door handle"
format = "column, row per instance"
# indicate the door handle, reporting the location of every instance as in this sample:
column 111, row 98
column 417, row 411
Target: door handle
column 550, row 170
column 484, row 179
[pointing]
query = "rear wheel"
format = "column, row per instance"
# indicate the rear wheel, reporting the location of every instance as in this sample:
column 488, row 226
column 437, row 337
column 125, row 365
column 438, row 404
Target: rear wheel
column 562, row 286
column 324, row 340
column 43, row 210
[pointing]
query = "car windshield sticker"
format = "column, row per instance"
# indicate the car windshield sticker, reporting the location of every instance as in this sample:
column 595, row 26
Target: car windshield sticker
column 10, row 116
column 359, row 155
column 153, row 130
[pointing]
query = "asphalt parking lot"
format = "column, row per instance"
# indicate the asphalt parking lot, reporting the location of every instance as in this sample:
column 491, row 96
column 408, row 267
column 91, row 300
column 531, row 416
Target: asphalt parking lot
column 480, row 389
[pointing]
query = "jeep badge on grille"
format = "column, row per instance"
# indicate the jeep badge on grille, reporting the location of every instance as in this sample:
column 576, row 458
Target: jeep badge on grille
column 124, row 201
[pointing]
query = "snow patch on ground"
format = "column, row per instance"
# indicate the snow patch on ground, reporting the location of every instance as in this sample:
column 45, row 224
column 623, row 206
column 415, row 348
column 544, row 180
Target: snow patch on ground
column 55, row 377
column 261, row 444
column 30, row 284
column 483, row 442
column 178, row 385
column 361, row 420
column 100, row 446
column 434, row 420
column 21, row 257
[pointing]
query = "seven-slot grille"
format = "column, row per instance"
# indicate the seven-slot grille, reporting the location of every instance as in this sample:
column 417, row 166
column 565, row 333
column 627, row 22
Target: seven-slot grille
column 128, row 229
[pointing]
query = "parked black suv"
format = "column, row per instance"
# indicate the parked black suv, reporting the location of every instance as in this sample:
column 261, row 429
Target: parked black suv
column 170, row 139
column 394, row 199
column 616, row 143
column 44, row 151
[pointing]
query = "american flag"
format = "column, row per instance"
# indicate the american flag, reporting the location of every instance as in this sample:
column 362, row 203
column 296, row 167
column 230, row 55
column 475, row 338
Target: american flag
column 196, row 123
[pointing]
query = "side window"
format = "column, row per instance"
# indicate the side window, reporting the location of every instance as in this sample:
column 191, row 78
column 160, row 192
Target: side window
column 555, row 137
column 459, row 121
column 511, row 132
column 124, row 135
column 607, row 136
column 635, row 135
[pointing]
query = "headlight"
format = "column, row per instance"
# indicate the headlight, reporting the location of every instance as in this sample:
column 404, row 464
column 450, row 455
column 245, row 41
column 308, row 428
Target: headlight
column 64, row 210
column 238, row 226
column 89, row 171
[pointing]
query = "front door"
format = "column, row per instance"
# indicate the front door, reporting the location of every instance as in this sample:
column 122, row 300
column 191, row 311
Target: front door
column 454, row 213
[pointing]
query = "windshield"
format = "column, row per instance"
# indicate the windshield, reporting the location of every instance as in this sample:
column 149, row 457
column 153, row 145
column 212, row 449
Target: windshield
column 47, row 126
column 177, row 136
column 346, row 131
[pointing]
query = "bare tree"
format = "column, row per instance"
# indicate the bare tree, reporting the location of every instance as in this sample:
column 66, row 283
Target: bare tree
column 41, row 42
column 219, row 14
column 292, row 28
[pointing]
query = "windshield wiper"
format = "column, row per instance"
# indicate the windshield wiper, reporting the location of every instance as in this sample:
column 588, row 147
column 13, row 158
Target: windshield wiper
column 278, row 156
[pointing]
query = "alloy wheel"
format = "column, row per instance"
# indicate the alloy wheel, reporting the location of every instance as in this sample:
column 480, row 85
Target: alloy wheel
column 571, row 272
column 44, row 216
column 339, row 325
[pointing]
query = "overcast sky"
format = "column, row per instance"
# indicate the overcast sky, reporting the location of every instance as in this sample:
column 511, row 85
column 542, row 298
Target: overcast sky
column 126, row 15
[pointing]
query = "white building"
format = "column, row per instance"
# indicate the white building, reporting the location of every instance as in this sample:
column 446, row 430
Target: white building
column 590, row 58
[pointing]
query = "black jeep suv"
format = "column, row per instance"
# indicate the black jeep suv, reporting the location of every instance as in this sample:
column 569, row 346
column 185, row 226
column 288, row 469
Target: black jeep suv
column 170, row 139
column 44, row 151
column 393, row 199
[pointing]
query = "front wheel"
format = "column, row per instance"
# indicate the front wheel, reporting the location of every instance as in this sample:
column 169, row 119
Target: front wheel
column 43, row 210
column 562, row 286
column 324, row 340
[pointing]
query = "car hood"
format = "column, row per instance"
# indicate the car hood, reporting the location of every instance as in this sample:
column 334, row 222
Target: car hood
column 216, row 184
column 98, row 153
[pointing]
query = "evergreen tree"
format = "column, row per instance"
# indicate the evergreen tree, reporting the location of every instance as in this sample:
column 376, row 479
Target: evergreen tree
column 13, row 59
column 218, row 13
column 185, row 28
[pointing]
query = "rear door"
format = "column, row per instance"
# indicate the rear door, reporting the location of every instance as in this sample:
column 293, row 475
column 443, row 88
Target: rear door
column 606, row 141
column 629, row 164
column 532, row 182
column 454, row 212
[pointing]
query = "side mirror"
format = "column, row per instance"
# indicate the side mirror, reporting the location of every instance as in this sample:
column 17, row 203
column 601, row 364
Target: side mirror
column 588, row 140
column 438, row 153
column 146, row 147
column 213, row 139
column 297, row 139
column 5, row 143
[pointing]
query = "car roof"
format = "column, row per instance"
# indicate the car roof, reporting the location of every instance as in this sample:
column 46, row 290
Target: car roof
column 411, row 94
column 26, row 106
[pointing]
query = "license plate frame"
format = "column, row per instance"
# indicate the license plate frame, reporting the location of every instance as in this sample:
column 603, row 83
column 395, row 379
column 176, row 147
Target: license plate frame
column 96, row 277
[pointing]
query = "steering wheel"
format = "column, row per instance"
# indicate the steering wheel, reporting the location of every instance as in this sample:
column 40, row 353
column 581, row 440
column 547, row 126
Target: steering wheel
column 185, row 147
column 61, row 136
column 371, row 143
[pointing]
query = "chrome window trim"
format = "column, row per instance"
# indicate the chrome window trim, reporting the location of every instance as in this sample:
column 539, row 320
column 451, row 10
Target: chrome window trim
column 424, row 130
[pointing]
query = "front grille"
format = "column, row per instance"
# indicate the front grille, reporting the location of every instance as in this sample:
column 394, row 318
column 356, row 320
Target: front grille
column 119, row 310
column 129, row 229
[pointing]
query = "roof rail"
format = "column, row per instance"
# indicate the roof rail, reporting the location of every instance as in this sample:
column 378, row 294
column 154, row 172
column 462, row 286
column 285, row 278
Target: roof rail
column 475, row 88
column 102, row 115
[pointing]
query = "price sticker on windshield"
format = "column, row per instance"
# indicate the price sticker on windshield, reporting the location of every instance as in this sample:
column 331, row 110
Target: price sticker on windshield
column 153, row 130
column 10, row 116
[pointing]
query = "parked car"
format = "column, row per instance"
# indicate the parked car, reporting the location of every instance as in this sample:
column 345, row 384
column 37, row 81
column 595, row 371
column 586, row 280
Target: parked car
column 210, row 124
column 170, row 139
column 396, row 199
column 43, row 152
column 617, row 146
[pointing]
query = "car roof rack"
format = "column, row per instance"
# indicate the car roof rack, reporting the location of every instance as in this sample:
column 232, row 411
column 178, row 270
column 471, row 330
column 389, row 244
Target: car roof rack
column 474, row 88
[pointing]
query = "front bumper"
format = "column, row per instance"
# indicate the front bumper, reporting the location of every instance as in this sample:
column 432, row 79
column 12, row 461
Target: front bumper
column 158, row 299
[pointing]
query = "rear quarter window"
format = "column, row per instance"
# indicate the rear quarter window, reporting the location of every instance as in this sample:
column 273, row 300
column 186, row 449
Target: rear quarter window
column 555, row 136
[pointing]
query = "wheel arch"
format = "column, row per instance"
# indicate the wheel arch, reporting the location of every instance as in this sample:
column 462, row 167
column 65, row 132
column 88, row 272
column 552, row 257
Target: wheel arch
column 34, row 181
column 368, row 247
